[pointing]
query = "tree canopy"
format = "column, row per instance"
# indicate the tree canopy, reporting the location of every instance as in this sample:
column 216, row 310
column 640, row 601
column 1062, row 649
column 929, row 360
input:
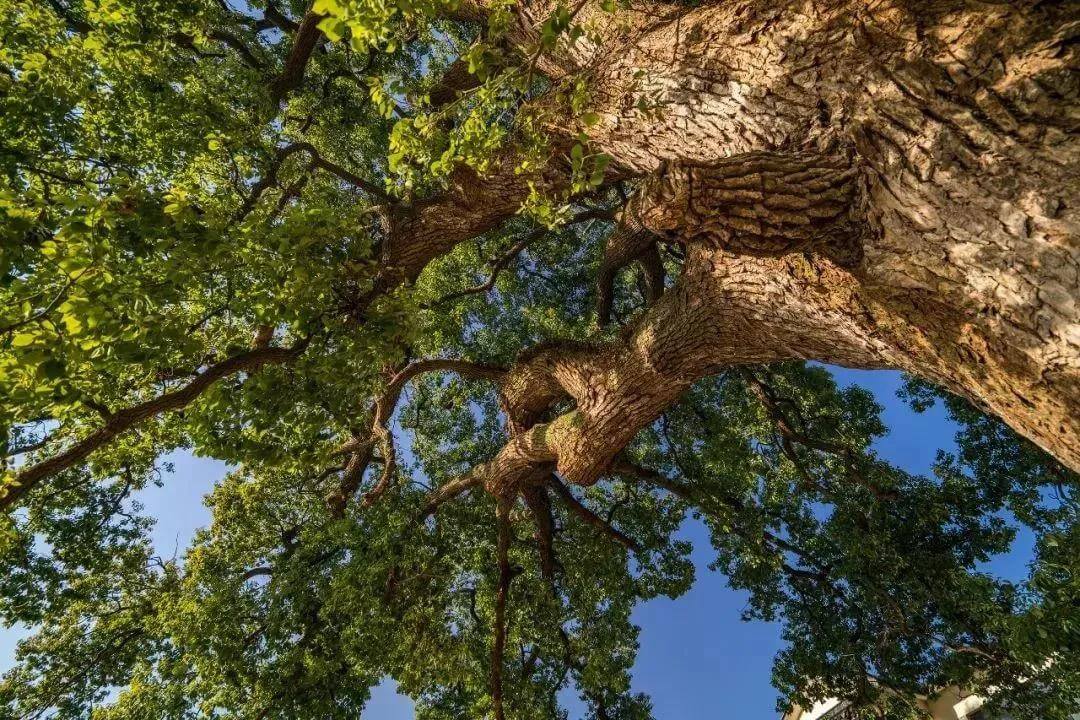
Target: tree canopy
column 368, row 253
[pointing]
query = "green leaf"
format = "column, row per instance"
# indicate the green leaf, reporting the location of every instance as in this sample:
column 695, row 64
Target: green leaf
column 333, row 28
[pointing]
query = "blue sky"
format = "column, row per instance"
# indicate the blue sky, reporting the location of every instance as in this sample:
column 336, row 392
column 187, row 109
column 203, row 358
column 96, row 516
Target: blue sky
column 697, row 660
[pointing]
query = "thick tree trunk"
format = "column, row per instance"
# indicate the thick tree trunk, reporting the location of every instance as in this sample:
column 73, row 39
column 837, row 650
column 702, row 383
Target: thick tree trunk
column 871, row 183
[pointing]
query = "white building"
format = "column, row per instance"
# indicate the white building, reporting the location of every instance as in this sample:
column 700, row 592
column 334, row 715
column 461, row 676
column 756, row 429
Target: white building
column 950, row 704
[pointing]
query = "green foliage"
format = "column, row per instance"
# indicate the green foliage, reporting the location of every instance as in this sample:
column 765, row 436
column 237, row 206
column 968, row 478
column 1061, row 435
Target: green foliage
column 158, row 210
column 368, row 24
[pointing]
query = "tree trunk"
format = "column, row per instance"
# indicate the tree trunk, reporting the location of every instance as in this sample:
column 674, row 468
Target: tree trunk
column 882, row 184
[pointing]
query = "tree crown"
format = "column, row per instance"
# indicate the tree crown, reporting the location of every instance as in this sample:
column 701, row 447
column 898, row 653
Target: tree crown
column 352, row 249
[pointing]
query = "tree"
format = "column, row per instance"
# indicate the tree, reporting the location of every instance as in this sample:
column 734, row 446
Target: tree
column 579, row 255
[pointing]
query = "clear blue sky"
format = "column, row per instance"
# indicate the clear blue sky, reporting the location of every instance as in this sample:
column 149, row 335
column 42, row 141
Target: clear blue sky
column 697, row 659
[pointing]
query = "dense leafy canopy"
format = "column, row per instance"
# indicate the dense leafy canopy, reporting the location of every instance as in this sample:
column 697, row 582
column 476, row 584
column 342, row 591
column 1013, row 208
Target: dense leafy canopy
column 193, row 225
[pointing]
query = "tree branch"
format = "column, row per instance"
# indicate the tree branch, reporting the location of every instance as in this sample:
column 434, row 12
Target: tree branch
column 498, row 648
column 385, row 404
column 589, row 517
column 630, row 241
column 455, row 80
column 239, row 46
column 305, row 39
column 361, row 447
column 259, row 571
column 512, row 252
column 60, row 295
column 473, row 11
column 352, row 178
column 496, row 267
column 351, row 477
column 317, row 160
column 770, row 401
column 273, row 17
column 689, row 494
column 539, row 504
column 448, row 491
column 123, row 420
column 29, row 447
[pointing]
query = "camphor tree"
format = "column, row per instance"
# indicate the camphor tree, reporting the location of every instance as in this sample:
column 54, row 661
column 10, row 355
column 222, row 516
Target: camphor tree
column 575, row 255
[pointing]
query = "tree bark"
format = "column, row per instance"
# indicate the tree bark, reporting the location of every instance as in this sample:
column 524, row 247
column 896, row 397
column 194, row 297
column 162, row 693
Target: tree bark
column 912, row 163
column 725, row 310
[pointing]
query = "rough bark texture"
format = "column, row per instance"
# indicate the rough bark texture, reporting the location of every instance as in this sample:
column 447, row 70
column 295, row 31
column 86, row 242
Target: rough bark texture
column 896, row 176
column 888, row 183
column 725, row 310
column 418, row 233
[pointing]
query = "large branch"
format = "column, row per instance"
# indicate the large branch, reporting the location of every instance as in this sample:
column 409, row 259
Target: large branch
column 519, row 246
column 724, row 311
column 421, row 234
column 25, row 480
column 360, row 448
column 539, row 504
column 472, row 205
column 962, row 221
column 305, row 40
column 447, row 492
column 727, row 309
